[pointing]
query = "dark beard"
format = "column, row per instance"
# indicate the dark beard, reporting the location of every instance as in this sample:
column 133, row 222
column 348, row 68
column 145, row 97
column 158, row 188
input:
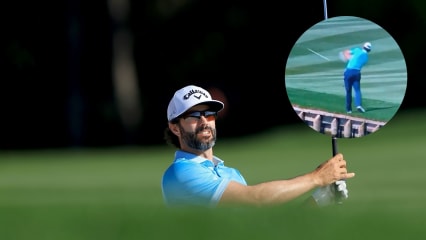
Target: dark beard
column 190, row 138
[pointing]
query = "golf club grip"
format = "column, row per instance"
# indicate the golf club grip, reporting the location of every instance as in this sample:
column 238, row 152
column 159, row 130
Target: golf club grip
column 334, row 145
column 334, row 150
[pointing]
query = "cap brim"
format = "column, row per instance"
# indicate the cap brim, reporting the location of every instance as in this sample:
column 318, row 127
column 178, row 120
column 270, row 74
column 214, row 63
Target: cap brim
column 214, row 105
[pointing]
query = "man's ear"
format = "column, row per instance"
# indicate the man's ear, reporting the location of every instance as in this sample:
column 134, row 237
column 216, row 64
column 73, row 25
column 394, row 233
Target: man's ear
column 174, row 128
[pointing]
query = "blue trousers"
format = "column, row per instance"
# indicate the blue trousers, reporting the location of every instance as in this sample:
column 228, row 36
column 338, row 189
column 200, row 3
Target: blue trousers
column 352, row 78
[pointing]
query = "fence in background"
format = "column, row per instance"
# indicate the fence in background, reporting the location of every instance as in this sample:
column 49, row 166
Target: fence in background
column 339, row 125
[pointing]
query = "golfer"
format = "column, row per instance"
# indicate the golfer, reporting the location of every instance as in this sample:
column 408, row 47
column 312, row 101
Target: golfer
column 197, row 177
column 357, row 58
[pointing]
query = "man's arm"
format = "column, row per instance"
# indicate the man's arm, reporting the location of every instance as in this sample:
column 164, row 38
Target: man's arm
column 281, row 191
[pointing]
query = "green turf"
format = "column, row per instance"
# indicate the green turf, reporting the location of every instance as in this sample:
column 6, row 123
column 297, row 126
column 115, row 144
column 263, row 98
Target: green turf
column 376, row 110
column 115, row 193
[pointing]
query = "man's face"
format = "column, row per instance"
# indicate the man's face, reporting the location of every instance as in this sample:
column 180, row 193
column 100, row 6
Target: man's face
column 197, row 128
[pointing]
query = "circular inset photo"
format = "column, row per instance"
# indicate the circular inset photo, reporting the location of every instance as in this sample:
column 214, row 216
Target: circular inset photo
column 346, row 77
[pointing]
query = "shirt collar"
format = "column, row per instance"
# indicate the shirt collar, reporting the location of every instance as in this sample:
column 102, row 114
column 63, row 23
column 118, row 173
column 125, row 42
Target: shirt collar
column 182, row 155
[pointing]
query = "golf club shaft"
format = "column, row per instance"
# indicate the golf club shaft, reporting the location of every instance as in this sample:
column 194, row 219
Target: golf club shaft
column 333, row 137
column 334, row 145
column 334, row 149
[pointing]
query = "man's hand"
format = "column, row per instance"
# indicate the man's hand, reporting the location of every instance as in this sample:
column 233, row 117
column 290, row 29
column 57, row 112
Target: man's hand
column 331, row 171
column 330, row 178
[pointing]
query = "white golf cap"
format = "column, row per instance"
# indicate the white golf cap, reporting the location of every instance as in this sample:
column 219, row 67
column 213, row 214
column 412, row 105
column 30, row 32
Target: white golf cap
column 189, row 96
column 367, row 46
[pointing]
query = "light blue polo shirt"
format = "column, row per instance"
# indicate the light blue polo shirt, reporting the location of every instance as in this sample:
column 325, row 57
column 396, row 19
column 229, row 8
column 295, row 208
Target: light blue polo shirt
column 193, row 180
column 358, row 60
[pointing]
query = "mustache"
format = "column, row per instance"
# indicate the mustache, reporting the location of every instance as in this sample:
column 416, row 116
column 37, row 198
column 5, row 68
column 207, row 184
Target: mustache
column 202, row 128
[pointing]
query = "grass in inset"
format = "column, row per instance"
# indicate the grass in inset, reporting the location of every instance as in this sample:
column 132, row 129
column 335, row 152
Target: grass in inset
column 375, row 109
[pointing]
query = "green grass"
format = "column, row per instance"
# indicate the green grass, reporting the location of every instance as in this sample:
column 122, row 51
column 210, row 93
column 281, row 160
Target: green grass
column 115, row 193
column 376, row 110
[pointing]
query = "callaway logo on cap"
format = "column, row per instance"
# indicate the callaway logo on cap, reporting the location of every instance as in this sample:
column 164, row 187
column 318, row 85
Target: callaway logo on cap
column 189, row 96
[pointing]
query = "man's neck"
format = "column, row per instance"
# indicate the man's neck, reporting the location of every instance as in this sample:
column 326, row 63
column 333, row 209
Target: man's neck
column 207, row 154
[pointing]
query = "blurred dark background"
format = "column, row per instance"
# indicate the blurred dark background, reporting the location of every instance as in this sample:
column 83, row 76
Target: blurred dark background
column 100, row 73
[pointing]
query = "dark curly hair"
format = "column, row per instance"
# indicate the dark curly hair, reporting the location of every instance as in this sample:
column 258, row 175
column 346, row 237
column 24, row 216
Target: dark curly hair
column 171, row 138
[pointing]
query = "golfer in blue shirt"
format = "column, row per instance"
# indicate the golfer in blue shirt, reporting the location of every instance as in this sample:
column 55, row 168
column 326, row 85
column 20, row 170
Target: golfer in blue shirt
column 357, row 58
column 197, row 177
